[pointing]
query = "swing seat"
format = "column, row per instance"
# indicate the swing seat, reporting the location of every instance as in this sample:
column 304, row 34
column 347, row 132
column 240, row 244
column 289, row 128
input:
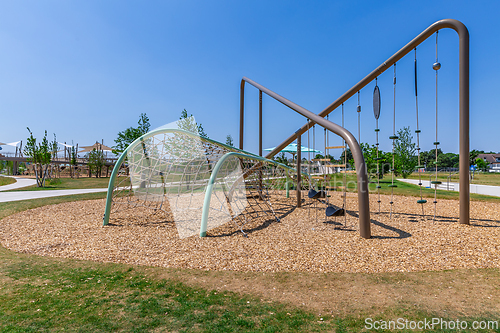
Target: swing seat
column 334, row 211
column 316, row 194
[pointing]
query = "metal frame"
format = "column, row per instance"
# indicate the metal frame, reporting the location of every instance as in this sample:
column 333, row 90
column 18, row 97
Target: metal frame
column 213, row 178
column 122, row 157
column 359, row 161
column 463, row 34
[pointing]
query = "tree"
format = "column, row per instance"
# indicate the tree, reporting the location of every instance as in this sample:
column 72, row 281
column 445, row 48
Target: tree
column 331, row 158
column 473, row 156
column 404, row 153
column 370, row 157
column 39, row 155
column 72, row 161
column 348, row 155
column 126, row 137
column 428, row 158
column 53, row 153
column 482, row 165
column 187, row 123
column 281, row 159
column 54, row 147
column 95, row 162
column 229, row 140
column 448, row 160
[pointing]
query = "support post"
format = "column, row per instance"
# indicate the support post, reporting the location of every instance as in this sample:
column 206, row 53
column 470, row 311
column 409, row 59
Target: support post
column 260, row 122
column 242, row 112
column 464, row 195
column 260, row 143
column 299, row 174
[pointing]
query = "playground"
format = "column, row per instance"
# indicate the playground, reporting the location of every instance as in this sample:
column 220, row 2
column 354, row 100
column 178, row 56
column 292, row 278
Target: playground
column 190, row 206
column 255, row 214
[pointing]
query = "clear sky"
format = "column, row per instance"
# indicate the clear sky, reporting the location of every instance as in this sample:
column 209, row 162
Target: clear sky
column 85, row 70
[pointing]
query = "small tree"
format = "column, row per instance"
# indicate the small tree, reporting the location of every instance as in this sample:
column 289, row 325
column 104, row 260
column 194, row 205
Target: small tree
column 404, row 150
column 126, row 137
column 473, row 156
column 54, row 147
column 95, row 162
column 187, row 123
column 428, row 158
column 53, row 153
column 229, row 140
column 281, row 158
column 482, row 164
column 39, row 156
column 370, row 156
column 72, row 161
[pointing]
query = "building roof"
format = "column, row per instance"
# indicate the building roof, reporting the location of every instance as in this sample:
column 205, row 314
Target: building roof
column 490, row 158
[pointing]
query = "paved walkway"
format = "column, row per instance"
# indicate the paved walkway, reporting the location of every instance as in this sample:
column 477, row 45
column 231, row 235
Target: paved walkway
column 20, row 182
column 28, row 195
column 474, row 188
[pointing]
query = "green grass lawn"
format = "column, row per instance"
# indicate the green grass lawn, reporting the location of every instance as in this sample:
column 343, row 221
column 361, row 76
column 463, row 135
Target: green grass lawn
column 6, row 180
column 42, row 294
column 69, row 183
column 63, row 295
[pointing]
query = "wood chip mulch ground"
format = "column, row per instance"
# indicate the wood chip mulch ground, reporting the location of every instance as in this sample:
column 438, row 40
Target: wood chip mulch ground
column 300, row 242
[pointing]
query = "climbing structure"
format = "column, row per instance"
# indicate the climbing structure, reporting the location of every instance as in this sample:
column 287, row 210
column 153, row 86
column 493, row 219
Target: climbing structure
column 197, row 183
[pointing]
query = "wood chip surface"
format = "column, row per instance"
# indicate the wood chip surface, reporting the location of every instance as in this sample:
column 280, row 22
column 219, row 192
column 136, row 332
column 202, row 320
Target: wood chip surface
column 304, row 239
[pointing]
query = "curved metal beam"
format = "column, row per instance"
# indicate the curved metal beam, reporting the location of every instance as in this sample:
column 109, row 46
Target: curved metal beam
column 213, row 178
column 359, row 161
column 122, row 157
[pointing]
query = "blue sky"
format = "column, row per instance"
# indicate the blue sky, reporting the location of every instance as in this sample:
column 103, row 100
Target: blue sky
column 85, row 70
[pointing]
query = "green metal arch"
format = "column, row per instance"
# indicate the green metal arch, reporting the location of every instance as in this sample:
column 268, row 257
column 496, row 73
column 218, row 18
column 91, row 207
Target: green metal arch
column 213, row 177
column 122, row 157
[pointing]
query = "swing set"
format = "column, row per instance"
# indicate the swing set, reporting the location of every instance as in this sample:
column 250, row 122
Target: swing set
column 350, row 141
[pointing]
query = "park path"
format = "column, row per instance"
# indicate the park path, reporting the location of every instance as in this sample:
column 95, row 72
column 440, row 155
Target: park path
column 474, row 188
column 29, row 195
column 20, row 182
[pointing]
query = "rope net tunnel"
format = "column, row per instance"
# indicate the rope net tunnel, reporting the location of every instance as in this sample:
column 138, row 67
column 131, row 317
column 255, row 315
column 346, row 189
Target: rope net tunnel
column 176, row 176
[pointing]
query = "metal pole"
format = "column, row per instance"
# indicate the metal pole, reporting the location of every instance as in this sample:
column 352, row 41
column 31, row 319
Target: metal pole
column 464, row 124
column 260, row 144
column 299, row 174
column 242, row 107
column 260, row 122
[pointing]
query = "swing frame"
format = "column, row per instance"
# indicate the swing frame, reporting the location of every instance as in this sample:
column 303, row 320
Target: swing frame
column 364, row 211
